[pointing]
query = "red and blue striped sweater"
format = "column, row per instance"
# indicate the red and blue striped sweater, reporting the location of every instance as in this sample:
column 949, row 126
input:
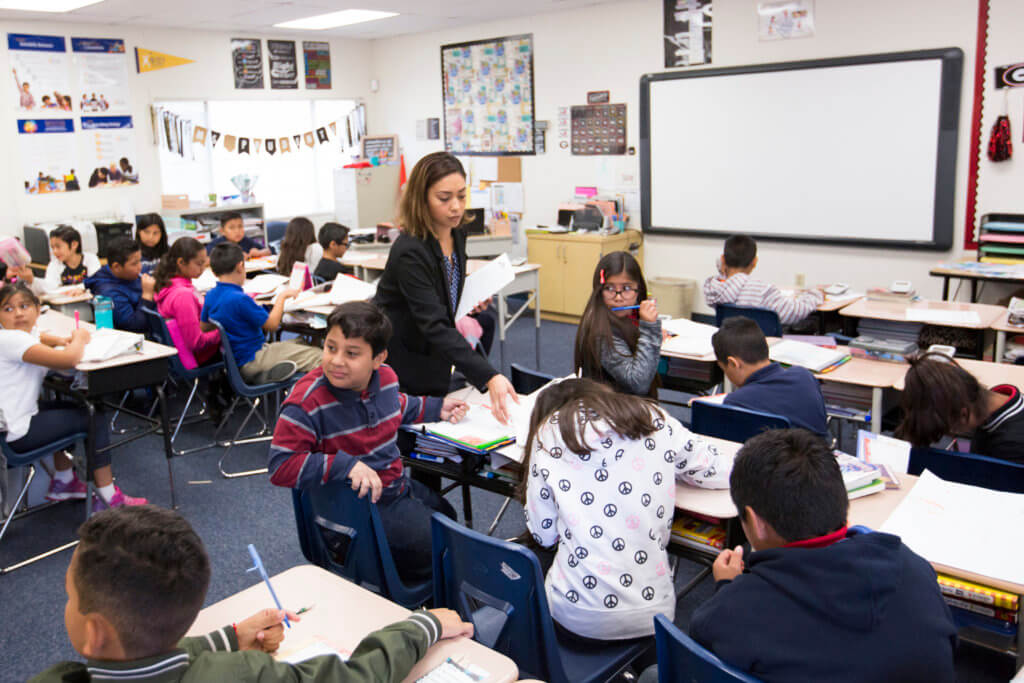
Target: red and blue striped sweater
column 323, row 431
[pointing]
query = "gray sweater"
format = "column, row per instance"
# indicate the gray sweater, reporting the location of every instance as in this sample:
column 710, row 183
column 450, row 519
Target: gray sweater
column 634, row 372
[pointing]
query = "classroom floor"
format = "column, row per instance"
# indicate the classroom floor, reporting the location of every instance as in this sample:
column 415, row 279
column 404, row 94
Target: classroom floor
column 230, row 514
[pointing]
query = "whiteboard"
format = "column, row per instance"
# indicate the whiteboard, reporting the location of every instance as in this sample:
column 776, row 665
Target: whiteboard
column 851, row 150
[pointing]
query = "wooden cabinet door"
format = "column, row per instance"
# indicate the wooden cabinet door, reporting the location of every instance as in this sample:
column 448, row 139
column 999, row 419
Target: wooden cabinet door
column 548, row 255
column 581, row 259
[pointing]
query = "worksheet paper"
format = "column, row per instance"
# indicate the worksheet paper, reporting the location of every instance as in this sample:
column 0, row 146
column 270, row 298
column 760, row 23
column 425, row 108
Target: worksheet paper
column 941, row 316
column 692, row 338
column 960, row 526
column 485, row 283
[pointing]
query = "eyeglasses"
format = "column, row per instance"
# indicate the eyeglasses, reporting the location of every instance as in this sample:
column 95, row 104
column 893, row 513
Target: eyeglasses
column 623, row 291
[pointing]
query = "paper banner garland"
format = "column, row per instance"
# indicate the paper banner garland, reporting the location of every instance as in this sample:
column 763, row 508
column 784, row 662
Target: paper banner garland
column 243, row 145
column 334, row 127
column 271, row 146
column 297, row 139
column 256, row 144
column 321, row 135
column 214, row 137
column 229, row 142
column 199, row 135
column 307, row 137
column 285, row 146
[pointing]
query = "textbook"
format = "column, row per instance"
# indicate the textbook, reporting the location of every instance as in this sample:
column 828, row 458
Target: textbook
column 814, row 358
column 877, row 486
column 478, row 430
column 979, row 593
column 856, row 473
column 1004, row 615
column 695, row 533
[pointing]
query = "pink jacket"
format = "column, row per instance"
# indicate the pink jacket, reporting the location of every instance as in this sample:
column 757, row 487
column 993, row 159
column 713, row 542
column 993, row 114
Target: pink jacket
column 179, row 301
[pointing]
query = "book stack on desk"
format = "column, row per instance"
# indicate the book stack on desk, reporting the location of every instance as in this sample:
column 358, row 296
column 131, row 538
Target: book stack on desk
column 814, row 358
column 884, row 294
column 846, row 400
column 696, row 533
column 860, row 478
column 478, row 433
column 974, row 604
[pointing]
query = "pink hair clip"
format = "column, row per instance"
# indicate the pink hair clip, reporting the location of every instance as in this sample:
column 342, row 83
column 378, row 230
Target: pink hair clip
column 602, row 276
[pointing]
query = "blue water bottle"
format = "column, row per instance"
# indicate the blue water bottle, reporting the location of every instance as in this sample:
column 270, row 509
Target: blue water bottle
column 103, row 312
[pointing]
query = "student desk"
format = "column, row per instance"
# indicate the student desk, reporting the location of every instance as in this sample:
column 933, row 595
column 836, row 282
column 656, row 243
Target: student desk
column 342, row 615
column 988, row 373
column 874, row 374
column 1003, row 327
column 970, row 270
column 68, row 304
column 147, row 368
column 255, row 265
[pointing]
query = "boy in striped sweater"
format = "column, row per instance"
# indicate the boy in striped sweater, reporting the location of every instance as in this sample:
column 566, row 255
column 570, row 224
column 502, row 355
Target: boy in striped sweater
column 341, row 421
column 734, row 285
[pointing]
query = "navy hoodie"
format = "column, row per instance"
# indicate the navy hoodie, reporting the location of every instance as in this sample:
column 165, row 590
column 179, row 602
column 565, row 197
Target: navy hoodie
column 793, row 393
column 860, row 610
column 126, row 296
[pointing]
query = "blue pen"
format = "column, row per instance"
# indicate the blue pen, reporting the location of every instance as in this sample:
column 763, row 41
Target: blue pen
column 625, row 308
column 266, row 579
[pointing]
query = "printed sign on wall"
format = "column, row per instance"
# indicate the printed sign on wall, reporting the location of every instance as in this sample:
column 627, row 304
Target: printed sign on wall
column 39, row 66
column 284, row 70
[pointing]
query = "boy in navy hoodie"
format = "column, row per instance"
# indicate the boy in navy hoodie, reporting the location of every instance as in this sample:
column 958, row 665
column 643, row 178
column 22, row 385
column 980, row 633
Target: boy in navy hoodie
column 814, row 601
column 122, row 281
column 742, row 352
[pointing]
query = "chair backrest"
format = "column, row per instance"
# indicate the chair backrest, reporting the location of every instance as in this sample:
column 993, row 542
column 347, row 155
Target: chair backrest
column 275, row 232
column 766, row 319
column 681, row 658
column 159, row 333
column 968, row 468
column 526, row 381
column 499, row 587
column 731, row 422
column 343, row 534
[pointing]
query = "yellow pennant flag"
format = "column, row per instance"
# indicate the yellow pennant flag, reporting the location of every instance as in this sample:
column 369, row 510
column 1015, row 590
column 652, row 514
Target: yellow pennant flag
column 150, row 60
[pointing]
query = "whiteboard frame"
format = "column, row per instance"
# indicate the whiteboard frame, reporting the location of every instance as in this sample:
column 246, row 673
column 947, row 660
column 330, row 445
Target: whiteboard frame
column 951, row 60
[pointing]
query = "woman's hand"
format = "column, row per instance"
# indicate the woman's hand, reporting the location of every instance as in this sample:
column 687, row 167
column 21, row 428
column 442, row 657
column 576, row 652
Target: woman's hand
column 648, row 310
column 500, row 390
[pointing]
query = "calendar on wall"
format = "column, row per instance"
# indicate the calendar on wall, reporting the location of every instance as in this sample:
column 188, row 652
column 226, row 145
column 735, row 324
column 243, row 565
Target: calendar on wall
column 598, row 129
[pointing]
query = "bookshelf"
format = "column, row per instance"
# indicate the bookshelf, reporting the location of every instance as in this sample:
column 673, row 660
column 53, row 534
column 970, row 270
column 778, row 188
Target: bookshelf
column 1001, row 238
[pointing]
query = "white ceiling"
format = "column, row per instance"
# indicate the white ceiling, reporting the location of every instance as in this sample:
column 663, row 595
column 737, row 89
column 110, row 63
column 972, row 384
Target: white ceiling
column 415, row 16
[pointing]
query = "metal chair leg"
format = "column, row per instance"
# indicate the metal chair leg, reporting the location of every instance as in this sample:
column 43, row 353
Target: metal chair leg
column 181, row 421
column 497, row 518
column 17, row 503
column 236, row 440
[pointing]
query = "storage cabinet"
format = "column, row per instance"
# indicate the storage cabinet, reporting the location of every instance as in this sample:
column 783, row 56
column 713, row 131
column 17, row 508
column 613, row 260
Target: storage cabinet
column 567, row 262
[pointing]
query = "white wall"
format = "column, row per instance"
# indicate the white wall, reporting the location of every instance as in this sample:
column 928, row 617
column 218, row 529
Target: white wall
column 609, row 46
column 209, row 77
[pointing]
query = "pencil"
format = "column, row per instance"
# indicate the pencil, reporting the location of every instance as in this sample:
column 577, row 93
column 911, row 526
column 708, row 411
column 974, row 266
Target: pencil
column 626, row 308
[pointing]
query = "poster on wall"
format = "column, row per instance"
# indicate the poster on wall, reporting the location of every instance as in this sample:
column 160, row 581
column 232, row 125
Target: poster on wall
column 487, row 86
column 247, row 62
column 317, row 58
column 47, row 148
column 102, row 75
column 108, row 151
column 687, row 32
column 782, row 20
column 39, row 67
column 284, row 70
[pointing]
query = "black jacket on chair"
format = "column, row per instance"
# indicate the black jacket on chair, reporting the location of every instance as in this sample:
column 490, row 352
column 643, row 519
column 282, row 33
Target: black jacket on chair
column 425, row 344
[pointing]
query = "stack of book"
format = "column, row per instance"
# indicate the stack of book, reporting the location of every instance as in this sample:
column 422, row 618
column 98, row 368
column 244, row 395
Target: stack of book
column 478, row 433
column 885, row 294
column 1016, row 315
column 700, row 534
column 860, row 478
column 687, row 369
column 814, row 358
column 973, row 604
column 846, row 400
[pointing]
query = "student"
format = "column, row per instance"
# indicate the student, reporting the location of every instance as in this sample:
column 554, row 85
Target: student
column 232, row 229
column 299, row 244
column 734, row 285
column 333, row 240
column 620, row 347
column 135, row 584
column 813, row 598
column 25, row 98
column 123, row 282
column 152, row 236
column 69, row 265
column 602, row 469
column 177, row 299
column 941, row 398
column 340, row 422
column 26, row 355
column 742, row 352
column 246, row 322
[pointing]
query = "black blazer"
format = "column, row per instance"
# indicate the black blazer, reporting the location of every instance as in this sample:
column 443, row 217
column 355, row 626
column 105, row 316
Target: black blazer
column 425, row 343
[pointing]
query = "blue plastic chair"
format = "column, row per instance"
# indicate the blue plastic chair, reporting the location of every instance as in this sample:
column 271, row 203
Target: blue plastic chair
column 251, row 394
column 968, row 468
column 766, row 319
column 342, row 533
column 681, row 658
column 275, row 233
column 29, row 459
column 498, row 586
column 527, row 381
column 731, row 422
column 161, row 335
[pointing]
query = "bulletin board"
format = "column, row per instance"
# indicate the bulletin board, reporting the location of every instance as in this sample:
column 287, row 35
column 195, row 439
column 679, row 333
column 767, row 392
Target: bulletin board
column 487, row 88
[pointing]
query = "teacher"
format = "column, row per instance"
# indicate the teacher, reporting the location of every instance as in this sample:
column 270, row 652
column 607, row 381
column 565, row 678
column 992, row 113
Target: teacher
column 421, row 285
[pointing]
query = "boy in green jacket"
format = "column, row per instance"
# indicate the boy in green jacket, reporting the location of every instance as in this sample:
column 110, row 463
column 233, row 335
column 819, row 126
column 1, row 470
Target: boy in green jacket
column 136, row 583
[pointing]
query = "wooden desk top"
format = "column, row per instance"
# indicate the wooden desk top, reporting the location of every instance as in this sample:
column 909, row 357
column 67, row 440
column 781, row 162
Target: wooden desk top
column 710, row 502
column 988, row 373
column 62, row 325
column 836, row 304
column 974, row 273
column 866, row 373
column 254, row 265
column 1002, row 324
column 894, row 310
column 343, row 614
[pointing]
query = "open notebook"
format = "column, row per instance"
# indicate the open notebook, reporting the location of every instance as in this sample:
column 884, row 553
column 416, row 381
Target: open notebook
column 814, row 358
column 105, row 344
column 344, row 288
column 691, row 338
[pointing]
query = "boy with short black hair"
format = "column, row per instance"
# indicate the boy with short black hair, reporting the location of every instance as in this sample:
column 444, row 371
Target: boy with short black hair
column 123, row 282
column 333, row 237
column 742, row 352
column 232, row 229
column 340, row 422
column 734, row 285
column 813, row 597
column 136, row 583
column 246, row 323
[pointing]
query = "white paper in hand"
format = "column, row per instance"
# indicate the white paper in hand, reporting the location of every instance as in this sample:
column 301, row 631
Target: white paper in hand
column 485, row 283
column 347, row 288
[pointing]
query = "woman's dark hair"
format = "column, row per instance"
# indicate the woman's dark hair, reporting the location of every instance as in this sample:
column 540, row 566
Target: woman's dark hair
column 572, row 403
column 68, row 236
column 10, row 289
column 144, row 221
column 599, row 325
column 939, row 397
column 184, row 248
column 299, row 234
column 414, row 207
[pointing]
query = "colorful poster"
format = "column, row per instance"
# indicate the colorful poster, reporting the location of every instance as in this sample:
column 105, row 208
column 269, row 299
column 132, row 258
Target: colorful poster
column 317, row 57
column 247, row 61
column 39, row 66
column 488, row 96
column 687, row 32
column 284, row 68
column 787, row 19
column 102, row 75
column 47, row 149
column 108, row 151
